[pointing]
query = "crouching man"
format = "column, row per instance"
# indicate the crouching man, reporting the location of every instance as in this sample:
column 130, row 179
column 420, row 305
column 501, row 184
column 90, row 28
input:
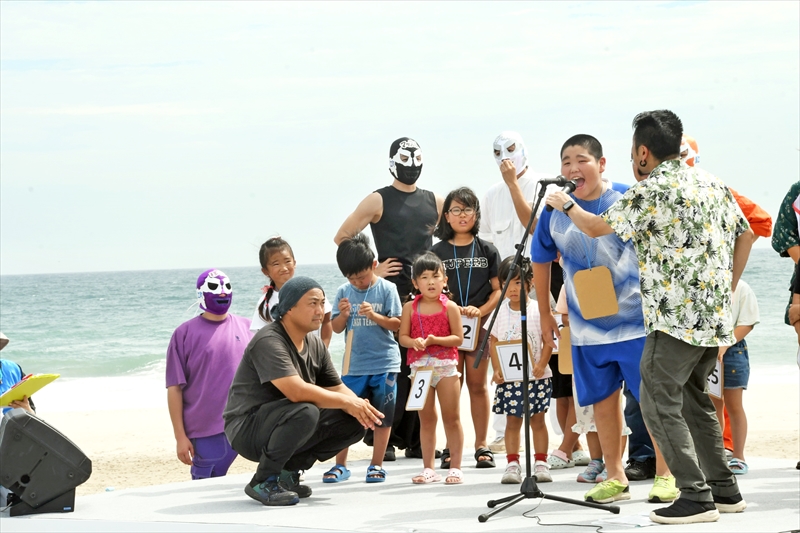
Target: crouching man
column 287, row 407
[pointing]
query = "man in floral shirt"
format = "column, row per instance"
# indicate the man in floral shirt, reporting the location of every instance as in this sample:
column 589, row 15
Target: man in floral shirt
column 692, row 242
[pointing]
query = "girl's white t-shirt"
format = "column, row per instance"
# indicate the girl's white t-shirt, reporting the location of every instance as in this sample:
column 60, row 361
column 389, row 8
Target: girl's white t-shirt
column 257, row 322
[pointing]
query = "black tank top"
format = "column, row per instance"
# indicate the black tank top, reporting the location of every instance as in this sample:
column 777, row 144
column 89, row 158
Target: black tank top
column 404, row 230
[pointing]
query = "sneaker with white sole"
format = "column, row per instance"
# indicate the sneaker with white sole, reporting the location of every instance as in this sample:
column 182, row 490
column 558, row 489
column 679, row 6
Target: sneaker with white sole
column 513, row 474
column 730, row 504
column 664, row 490
column 607, row 492
column 498, row 445
column 595, row 468
column 541, row 471
column 684, row 511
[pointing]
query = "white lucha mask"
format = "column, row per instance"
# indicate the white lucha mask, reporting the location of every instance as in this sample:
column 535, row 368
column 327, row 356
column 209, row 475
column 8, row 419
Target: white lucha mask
column 519, row 156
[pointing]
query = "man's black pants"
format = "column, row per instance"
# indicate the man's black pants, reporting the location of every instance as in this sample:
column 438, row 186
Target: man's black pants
column 293, row 436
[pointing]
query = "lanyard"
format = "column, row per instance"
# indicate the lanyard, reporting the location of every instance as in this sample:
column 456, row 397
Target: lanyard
column 463, row 299
column 583, row 236
column 353, row 308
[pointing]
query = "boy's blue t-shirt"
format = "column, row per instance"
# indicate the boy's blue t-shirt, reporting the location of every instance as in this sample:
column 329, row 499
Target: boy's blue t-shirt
column 374, row 350
column 555, row 232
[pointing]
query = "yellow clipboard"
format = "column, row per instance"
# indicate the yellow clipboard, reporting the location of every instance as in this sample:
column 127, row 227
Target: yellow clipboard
column 26, row 387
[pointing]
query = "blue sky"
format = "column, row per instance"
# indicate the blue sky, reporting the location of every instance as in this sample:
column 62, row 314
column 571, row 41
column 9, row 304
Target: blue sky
column 148, row 135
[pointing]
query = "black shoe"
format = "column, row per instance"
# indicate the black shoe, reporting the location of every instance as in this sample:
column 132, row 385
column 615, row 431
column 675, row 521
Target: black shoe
column 639, row 470
column 685, row 511
column 730, row 504
column 271, row 493
column 291, row 481
column 438, row 454
column 414, row 453
column 389, row 454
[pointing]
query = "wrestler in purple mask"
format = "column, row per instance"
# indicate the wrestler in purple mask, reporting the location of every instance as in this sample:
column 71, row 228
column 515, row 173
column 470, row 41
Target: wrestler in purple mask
column 214, row 291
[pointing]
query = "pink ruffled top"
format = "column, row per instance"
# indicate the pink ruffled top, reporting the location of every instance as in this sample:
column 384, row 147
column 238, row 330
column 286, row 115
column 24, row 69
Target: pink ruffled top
column 436, row 324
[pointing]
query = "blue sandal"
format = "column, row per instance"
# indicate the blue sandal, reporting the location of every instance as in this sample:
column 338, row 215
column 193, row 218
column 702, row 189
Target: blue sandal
column 737, row 466
column 376, row 474
column 339, row 473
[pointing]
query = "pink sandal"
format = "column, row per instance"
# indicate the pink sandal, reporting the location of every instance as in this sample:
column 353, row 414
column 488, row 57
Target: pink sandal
column 428, row 475
column 454, row 473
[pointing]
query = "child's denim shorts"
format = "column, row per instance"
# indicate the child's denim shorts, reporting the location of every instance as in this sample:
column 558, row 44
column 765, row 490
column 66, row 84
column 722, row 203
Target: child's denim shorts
column 736, row 366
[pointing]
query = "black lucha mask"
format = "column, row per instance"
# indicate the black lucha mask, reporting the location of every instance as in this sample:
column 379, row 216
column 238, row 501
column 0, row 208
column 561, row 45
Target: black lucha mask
column 405, row 160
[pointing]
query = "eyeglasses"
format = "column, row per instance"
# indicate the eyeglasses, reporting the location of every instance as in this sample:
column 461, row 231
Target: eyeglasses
column 457, row 211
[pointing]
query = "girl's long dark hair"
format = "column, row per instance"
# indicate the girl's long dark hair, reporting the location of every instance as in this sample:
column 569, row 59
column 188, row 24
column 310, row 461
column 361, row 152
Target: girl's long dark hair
column 271, row 246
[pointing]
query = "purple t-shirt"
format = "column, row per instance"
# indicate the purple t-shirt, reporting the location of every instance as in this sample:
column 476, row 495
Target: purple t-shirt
column 202, row 358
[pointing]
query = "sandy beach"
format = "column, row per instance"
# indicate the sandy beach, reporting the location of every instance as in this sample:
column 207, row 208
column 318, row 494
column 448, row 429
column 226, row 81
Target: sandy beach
column 135, row 447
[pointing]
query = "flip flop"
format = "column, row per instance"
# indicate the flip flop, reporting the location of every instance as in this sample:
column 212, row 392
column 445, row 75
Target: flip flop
column 738, row 467
column 454, row 473
column 486, row 463
column 340, row 473
column 428, row 475
column 376, row 474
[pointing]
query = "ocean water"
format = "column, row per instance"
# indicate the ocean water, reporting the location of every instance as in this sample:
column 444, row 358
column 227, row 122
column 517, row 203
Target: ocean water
column 118, row 324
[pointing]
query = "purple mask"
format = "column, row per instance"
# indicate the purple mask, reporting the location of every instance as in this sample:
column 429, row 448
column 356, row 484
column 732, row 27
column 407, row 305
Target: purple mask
column 214, row 292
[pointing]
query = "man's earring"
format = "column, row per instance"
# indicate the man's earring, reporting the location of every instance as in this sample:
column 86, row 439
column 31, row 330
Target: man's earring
column 642, row 163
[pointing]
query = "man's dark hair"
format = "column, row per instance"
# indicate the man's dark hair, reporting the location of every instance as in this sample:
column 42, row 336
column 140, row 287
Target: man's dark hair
column 465, row 197
column 660, row 131
column 354, row 255
column 586, row 141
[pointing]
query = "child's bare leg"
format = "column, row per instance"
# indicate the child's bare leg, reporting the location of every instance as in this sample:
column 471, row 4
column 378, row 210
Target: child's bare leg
column 570, row 441
column 539, row 433
column 608, row 419
column 513, row 426
column 448, row 391
column 379, row 444
column 733, row 401
column 427, row 429
column 478, row 400
column 595, row 450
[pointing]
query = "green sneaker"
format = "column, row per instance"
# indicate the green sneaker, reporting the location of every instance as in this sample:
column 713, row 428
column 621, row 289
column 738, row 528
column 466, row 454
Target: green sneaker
column 607, row 492
column 663, row 491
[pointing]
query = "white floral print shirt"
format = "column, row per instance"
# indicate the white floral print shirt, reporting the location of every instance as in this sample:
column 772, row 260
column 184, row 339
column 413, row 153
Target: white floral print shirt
column 683, row 222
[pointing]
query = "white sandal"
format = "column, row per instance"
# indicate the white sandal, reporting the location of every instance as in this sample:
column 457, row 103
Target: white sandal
column 558, row 460
column 428, row 475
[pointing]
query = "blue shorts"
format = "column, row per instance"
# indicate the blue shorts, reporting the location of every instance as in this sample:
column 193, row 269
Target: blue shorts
column 213, row 456
column 508, row 397
column 599, row 370
column 379, row 389
column 736, row 366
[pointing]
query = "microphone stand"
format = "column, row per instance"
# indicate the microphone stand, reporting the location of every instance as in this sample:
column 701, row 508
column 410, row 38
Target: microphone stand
column 529, row 488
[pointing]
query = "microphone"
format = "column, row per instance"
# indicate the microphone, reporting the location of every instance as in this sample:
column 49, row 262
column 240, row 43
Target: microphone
column 569, row 187
column 558, row 180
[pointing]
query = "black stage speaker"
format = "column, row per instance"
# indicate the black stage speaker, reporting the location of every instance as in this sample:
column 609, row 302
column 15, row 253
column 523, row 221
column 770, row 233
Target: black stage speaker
column 39, row 465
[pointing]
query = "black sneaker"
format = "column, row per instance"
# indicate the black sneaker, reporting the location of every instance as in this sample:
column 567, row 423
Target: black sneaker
column 685, row 511
column 413, row 453
column 271, row 493
column 640, row 470
column 730, row 504
column 291, row 481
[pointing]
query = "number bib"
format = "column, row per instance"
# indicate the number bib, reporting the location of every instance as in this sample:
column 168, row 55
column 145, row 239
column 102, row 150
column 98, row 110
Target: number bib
column 565, row 352
column 595, row 291
column 420, row 386
column 715, row 381
column 509, row 355
column 471, row 331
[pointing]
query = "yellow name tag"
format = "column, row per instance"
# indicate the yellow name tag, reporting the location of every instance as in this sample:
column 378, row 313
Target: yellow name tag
column 595, row 291
column 348, row 345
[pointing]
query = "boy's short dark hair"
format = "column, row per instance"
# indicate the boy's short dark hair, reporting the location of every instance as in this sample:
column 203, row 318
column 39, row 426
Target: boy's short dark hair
column 660, row 131
column 354, row 255
column 466, row 197
column 586, row 141
column 507, row 265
